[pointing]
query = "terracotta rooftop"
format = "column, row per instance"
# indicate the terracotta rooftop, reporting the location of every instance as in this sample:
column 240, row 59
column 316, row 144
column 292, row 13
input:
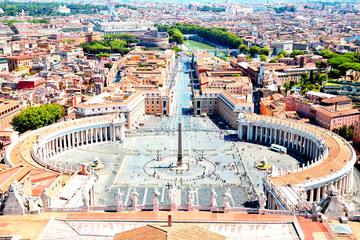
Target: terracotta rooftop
column 336, row 99
column 347, row 112
column 22, row 57
column 10, row 175
column 32, row 226
column 175, row 232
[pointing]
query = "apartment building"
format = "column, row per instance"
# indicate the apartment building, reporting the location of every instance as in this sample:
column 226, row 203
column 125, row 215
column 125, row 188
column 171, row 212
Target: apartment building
column 8, row 109
column 330, row 112
column 19, row 61
column 158, row 102
column 337, row 112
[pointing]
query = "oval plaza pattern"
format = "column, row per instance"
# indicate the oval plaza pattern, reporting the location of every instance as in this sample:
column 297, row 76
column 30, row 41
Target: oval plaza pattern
column 327, row 158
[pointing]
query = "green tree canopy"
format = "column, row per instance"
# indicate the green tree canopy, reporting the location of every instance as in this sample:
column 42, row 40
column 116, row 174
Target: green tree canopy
column 175, row 36
column 243, row 48
column 40, row 9
column 114, row 43
column 296, row 53
column 345, row 132
column 128, row 38
column 263, row 58
column 36, row 117
column 254, row 50
column 264, row 51
column 219, row 36
column 327, row 54
column 282, row 53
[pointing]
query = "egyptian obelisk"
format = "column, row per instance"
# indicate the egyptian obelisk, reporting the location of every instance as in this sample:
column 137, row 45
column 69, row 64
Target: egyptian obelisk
column 179, row 160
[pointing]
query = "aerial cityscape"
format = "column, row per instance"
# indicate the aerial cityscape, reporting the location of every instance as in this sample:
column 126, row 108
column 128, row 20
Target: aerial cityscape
column 155, row 119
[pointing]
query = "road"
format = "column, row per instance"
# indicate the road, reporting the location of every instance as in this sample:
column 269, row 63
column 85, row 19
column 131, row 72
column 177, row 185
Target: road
column 181, row 108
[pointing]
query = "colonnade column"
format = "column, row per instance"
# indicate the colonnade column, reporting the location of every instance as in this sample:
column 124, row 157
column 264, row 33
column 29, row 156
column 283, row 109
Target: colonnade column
column 311, row 195
column 266, row 134
column 323, row 191
column 318, row 192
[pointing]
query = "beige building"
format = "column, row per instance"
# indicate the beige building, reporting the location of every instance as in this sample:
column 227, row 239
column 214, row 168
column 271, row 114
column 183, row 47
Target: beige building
column 158, row 102
column 131, row 105
column 223, row 103
column 8, row 109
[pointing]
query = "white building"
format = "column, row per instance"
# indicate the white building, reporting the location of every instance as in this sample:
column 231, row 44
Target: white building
column 64, row 9
column 124, row 27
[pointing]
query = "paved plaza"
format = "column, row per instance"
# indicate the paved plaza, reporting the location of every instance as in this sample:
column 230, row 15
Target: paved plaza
column 212, row 159
column 147, row 160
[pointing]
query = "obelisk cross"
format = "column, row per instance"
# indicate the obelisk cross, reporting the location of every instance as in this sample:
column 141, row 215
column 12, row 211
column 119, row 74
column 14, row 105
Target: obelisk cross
column 179, row 160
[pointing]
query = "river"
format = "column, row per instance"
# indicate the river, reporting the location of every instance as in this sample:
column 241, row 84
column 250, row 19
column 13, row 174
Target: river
column 195, row 45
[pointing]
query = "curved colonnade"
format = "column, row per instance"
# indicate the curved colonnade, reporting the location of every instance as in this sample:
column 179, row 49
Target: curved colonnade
column 328, row 159
column 35, row 148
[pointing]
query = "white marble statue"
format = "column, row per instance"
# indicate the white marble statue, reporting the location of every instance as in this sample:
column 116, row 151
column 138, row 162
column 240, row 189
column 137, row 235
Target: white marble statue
column 172, row 199
column 191, row 199
column 118, row 200
column 155, row 200
column 262, row 201
column 213, row 202
column 33, row 205
column 134, row 199
column 226, row 200
column 302, row 201
column 85, row 198
column 45, row 198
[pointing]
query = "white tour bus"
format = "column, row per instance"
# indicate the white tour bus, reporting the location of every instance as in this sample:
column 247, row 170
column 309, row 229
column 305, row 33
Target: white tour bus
column 278, row 148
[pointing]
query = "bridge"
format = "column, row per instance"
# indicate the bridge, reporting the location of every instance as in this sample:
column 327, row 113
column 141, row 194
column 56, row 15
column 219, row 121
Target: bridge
column 216, row 51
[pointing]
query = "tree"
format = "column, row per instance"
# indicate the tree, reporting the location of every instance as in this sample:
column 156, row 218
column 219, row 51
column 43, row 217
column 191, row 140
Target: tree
column 282, row 53
column 176, row 49
column 248, row 58
column 334, row 73
column 211, row 9
column 128, row 38
column 295, row 53
column 321, row 65
column 288, row 85
column 54, row 109
column 264, row 51
column 321, row 77
column 41, row 9
column 35, row 117
column 113, row 43
column 175, row 36
column 219, row 36
column 108, row 65
column 346, row 132
column 102, row 55
column 254, row 50
column 326, row 53
column 243, row 48
column 275, row 59
column 263, row 58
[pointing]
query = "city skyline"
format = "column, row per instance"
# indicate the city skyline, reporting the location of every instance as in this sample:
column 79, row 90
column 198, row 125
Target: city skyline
column 179, row 120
